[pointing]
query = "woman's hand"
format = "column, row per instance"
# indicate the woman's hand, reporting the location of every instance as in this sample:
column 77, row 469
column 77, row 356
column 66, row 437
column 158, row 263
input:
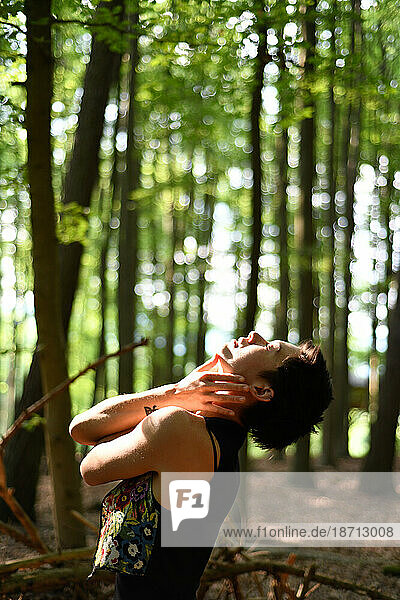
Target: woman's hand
column 208, row 392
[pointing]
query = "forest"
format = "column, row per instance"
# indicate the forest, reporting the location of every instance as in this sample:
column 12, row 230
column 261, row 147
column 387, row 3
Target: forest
column 174, row 174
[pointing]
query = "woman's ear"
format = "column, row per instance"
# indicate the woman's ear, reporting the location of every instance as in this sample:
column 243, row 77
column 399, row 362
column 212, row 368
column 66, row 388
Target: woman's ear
column 263, row 393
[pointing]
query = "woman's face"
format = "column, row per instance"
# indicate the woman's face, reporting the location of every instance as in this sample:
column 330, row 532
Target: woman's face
column 252, row 355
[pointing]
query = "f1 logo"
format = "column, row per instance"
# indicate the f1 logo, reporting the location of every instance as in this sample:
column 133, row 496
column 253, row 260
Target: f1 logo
column 189, row 499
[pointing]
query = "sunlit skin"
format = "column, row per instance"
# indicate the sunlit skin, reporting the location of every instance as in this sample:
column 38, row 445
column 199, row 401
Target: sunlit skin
column 251, row 355
column 125, row 448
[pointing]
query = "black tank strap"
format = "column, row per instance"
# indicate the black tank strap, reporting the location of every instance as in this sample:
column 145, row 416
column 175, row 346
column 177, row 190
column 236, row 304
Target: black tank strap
column 214, row 448
column 229, row 436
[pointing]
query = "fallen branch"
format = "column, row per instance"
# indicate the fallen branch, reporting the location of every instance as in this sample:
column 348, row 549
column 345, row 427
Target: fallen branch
column 51, row 558
column 24, row 519
column 63, row 386
column 227, row 570
column 83, row 520
column 50, row 579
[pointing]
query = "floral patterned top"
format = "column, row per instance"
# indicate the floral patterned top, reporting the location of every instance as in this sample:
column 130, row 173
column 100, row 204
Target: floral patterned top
column 128, row 526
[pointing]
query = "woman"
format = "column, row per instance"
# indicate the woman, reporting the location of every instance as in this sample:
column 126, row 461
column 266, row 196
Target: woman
column 275, row 390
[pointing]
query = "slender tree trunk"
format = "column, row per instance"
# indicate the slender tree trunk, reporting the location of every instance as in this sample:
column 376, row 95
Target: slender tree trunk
column 100, row 387
column 171, row 229
column 187, row 229
column 383, row 431
column 201, row 328
column 305, row 231
column 373, row 376
column 256, row 202
column 23, row 453
column 331, row 415
column 281, row 319
column 59, row 445
column 341, row 335
column 83, row 168
column 351, row 174
column 378, row 394
column 128, row 233
column 205, row 240
column 281, row 330
column 281, row 149
column 159, row 367
column 384, row 423
column 20, row 262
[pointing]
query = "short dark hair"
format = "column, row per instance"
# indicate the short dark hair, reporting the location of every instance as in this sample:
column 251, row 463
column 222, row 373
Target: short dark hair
column 302, row 391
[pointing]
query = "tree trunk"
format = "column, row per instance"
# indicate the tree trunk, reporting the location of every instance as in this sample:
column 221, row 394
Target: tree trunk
column 22, row 465
column 205, row 231
column 373, row 376
column 353, row 150
column 281, row 329
column 201, row 326
column 59, row 445
column 171, row 230
column 281, row 318
column 331, row 415
column 256, row 202
column 384, row 417
column 24, row 451
column 128, row 233
column 341, row 353
column 100, row 387
column 158, row 362
column 305, row 231
column 189, row 334
column 383, row 431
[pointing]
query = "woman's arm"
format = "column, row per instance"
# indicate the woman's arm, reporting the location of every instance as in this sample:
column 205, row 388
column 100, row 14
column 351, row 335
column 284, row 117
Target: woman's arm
column 200, row 391
column 117, row 415
column 171, row 439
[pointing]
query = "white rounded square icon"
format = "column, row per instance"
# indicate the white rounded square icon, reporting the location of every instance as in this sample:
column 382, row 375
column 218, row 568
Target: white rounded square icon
column 189, row 499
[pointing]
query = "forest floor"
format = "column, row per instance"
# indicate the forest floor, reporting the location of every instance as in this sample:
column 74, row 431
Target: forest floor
column 361, row 565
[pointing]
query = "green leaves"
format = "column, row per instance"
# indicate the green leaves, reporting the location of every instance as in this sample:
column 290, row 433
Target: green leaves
column 72, row 224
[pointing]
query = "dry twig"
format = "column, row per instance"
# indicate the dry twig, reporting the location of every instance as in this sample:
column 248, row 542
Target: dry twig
column 305, row 584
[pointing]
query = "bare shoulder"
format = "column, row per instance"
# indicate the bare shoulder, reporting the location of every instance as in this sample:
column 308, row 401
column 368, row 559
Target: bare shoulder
column 170, row 414
column 182, row 437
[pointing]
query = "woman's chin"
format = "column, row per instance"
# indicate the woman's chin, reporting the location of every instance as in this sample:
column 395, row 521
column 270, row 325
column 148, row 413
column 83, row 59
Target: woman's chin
column 223, row 365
